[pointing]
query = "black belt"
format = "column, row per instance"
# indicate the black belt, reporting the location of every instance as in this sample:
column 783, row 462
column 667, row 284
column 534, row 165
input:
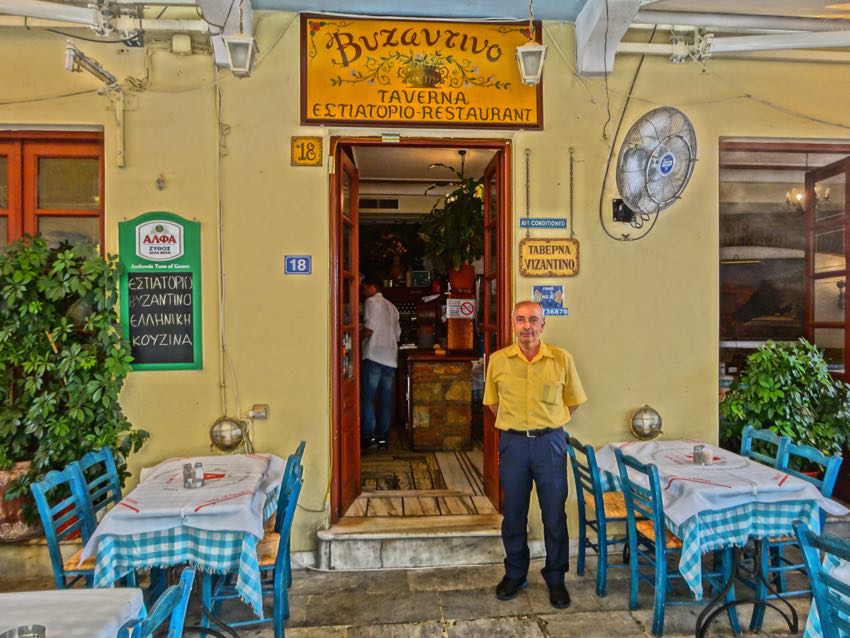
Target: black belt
column 532, row 434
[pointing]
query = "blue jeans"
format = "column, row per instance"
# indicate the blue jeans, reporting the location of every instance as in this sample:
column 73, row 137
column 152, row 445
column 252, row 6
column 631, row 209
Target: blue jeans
column 376, row 379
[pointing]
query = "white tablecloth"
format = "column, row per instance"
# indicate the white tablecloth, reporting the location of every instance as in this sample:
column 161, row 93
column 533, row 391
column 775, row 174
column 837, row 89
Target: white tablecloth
column 232, row 498
column 731, row 480
column 72, row 613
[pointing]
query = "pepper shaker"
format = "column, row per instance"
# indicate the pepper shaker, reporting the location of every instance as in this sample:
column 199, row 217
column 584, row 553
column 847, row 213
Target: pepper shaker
column 698, row 454
column 188, row 476
column 199, row 474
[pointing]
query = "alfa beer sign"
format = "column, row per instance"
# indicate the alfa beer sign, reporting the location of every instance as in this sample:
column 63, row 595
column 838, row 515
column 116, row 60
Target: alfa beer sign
column 548, row 257
column 159, row 240
column 457, row 74
column 160, row 291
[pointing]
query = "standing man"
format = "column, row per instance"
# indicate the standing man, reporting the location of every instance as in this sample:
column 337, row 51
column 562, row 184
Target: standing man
column 381, row 330
column 533, row 388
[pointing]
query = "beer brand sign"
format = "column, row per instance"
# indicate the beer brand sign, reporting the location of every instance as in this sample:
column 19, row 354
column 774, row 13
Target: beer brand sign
column 159, row 240
column 416, row 73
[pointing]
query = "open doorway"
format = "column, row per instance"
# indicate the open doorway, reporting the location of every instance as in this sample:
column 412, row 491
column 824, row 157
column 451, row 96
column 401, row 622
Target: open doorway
column 440, row 455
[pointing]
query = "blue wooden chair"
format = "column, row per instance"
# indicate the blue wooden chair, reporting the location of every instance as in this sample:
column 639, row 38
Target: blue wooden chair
column 98, row 473
column 775, row 564
column 64, row 515
column 291, row 463
column 607, row 507
column 831, row 596
column 273, row 560
column 170, row 606
column 753, row 442
column 647, row 549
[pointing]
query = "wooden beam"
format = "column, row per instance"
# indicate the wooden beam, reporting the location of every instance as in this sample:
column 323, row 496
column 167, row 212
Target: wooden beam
column 600, row 26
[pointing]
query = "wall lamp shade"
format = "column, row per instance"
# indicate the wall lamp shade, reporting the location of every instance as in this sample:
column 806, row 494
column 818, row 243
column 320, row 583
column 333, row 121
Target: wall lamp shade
column 241, row 51
column 530, row 57
column 645, row 423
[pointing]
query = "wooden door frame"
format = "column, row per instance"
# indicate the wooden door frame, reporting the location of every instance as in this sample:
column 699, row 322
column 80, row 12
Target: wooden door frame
column 812, row 226
column 337, row 146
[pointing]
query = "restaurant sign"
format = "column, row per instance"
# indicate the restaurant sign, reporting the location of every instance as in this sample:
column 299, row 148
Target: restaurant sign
column 160, row 291
column 548, row 257
column 416, row 73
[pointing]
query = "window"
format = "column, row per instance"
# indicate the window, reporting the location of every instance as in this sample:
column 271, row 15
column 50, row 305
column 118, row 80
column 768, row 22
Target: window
column 51, row 184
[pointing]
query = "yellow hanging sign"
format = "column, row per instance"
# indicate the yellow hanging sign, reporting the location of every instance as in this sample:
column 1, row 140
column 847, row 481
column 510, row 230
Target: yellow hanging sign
column 415, row 73
column 548, row 257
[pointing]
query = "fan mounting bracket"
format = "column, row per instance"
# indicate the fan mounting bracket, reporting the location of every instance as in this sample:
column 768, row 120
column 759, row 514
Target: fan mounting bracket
column 622, row 213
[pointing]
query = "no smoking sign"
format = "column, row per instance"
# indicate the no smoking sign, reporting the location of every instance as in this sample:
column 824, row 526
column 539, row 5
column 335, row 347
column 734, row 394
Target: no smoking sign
column 460, row 309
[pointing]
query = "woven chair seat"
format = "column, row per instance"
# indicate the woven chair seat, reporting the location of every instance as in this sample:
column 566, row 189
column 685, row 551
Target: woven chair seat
column 613, row 502
column 648, row 529
column 267, row 549
column 72, row 564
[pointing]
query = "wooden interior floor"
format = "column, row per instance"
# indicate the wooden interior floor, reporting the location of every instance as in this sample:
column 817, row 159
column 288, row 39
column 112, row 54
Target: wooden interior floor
column 404, row 483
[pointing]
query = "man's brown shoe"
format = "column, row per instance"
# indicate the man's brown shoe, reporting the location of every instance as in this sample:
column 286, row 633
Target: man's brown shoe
column 507, row 589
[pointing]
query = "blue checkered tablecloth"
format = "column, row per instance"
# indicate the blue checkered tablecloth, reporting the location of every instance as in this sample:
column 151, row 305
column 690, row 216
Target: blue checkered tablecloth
column 212, row 551
column 715, row 529
column 813, row 624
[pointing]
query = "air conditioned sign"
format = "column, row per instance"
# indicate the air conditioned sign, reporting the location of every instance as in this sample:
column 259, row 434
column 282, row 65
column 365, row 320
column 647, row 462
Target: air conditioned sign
column 159, row 240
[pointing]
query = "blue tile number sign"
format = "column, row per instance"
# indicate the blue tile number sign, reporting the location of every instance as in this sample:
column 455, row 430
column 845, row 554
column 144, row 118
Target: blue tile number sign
column 552, row 300
column 298, row 265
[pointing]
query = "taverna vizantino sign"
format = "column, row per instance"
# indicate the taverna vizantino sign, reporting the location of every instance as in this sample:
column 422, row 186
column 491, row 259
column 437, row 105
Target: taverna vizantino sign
column 417, row 73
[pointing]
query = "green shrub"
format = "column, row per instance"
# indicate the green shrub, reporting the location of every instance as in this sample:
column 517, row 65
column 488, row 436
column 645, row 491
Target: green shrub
column 63, row 359
column 788, row 389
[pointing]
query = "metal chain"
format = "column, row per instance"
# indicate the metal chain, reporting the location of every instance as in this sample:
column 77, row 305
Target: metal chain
column 527, row 193
column 531, row 33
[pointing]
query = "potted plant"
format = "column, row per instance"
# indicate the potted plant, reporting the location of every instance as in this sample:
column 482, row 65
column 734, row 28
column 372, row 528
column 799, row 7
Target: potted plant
column 454, row 234
column 63, row 360
column 787, row 388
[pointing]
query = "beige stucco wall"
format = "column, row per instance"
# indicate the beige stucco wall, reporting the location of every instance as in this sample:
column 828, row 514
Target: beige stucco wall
column 643, row 318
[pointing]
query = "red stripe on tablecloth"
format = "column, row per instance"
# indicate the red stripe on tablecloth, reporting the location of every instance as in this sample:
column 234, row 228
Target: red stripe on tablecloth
column 694, row 480
column 784, row 478
column 219, row 500
column 135, row 509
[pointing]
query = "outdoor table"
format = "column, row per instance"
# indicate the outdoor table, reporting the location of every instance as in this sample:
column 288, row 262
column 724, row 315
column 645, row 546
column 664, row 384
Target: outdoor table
column 72, row 613
column 841, row 571
column 214, row 528
column 722, row 504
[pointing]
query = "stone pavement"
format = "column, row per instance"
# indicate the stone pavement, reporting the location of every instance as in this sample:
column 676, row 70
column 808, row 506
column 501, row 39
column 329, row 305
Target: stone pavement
column 459, row 602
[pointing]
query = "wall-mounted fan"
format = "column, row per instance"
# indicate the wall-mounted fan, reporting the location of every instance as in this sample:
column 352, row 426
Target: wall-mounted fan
column 655, row 163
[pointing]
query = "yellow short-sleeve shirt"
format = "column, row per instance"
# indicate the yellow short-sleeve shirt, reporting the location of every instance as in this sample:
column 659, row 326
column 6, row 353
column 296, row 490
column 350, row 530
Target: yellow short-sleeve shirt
column 532, row 394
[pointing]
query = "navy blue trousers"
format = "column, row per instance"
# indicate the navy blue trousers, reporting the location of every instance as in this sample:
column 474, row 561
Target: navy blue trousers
column 543, row 460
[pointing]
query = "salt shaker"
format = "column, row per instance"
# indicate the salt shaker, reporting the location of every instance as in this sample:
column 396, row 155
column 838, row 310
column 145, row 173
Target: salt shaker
column 199, row 474
column 698, row 454
column 188, row 476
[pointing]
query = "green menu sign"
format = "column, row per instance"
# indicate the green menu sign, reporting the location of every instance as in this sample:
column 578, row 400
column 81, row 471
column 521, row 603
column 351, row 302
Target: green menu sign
column 161, row 291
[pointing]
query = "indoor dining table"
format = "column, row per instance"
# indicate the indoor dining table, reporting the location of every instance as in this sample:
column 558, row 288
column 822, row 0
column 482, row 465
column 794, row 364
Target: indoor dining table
column 72, row 613
column 725, row 503
column 215, row 528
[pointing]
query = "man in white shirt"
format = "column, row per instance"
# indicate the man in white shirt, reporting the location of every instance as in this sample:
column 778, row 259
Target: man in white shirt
column 382, row 331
